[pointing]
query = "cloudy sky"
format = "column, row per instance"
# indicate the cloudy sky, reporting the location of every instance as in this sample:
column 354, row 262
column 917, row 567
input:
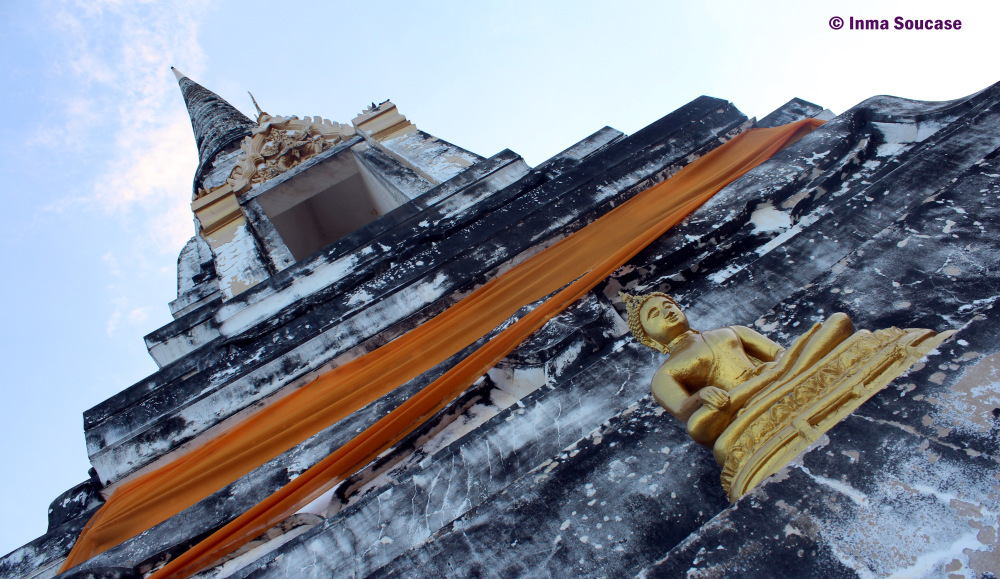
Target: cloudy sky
column 97, row 153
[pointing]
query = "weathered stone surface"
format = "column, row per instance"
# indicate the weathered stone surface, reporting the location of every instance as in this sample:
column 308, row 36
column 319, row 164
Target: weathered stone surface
column 587, row 511
column 790, row 112
column 870, row 500
column 839, row 222
column 435, row 159
column 557, row 463
column 197, row 283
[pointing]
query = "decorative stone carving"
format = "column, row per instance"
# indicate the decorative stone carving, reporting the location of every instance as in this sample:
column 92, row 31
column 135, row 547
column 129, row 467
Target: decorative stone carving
column 279, row 143
column 756, row 404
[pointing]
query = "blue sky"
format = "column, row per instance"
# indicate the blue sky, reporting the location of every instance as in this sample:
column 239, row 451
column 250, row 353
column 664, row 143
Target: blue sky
column 97, row 155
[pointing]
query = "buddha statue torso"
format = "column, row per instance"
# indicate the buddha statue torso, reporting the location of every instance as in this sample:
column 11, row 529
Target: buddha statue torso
column 714, row 358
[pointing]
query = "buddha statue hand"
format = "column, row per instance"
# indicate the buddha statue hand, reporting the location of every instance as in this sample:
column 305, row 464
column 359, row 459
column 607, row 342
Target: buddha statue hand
column 714, row 397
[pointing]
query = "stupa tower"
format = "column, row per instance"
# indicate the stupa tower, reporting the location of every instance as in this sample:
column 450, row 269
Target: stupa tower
column 218, row 127
column 391, row 356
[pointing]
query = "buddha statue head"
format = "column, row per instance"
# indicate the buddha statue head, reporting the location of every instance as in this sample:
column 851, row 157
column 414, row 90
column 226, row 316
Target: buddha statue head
column 655, row 319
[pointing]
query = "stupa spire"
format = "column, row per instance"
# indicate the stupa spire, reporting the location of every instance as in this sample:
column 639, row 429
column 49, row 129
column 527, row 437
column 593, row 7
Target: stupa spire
column 218, row 126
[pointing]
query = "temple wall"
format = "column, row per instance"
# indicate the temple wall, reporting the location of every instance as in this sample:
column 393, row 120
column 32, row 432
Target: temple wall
column 558, row 462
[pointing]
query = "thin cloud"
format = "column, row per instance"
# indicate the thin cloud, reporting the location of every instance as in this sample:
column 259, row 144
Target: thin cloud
column 112, row 264
column 111, row 326
column 120, row 54
column 138, row 315
column 126, row 117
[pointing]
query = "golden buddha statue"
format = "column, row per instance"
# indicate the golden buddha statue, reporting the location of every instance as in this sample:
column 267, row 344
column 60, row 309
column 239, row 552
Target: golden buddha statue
column 755, row 403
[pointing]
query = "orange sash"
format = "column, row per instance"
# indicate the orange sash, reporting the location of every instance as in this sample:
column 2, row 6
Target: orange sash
column 577, row 264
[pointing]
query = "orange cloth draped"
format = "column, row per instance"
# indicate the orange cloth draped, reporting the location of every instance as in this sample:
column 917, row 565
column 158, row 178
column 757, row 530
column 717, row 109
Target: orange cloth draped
column 576, row 264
